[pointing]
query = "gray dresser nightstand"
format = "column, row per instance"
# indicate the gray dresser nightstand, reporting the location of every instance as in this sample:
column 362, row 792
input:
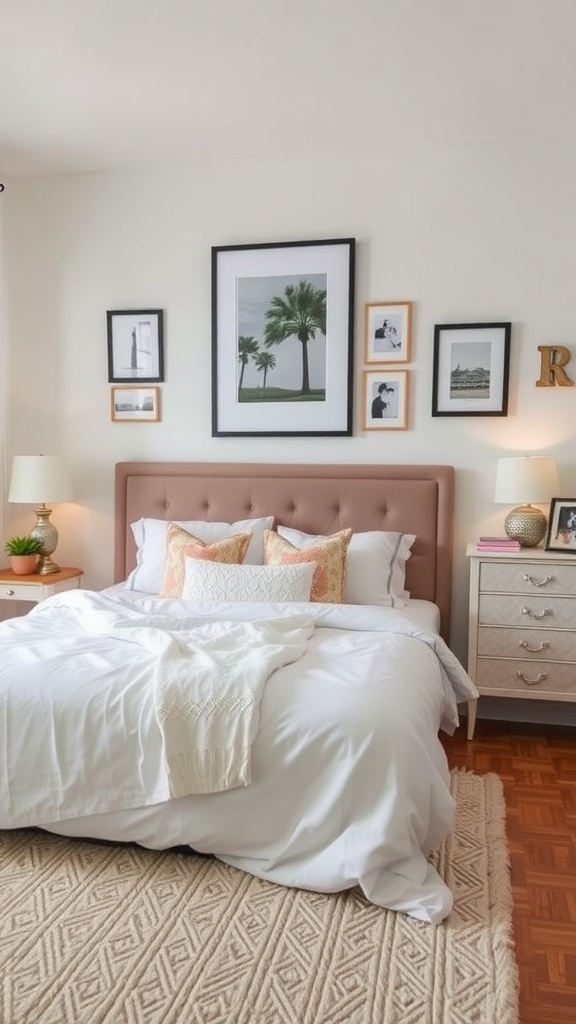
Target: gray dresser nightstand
column 522, row 625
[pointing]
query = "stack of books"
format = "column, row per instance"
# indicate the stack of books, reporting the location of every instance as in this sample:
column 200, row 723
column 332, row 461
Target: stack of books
column 497, row 544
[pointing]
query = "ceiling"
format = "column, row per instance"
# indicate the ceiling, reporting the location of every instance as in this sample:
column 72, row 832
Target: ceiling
column 91, row 85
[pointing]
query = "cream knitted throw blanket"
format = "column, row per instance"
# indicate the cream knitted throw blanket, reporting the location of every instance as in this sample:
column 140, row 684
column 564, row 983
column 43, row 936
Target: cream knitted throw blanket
column 207, row 683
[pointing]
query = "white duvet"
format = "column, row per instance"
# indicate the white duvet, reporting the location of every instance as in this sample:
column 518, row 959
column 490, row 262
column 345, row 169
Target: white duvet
column 348, row 782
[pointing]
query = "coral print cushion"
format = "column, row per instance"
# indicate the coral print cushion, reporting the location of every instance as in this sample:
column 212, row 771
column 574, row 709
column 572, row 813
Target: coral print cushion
column 329, row 579
column 181, row 545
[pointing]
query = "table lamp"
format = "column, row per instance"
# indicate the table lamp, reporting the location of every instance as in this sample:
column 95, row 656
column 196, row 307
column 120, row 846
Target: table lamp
column 521, row 481
column 38, row 479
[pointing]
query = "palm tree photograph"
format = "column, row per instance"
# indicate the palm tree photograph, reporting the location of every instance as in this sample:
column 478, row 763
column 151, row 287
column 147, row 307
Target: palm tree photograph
column 282, row 338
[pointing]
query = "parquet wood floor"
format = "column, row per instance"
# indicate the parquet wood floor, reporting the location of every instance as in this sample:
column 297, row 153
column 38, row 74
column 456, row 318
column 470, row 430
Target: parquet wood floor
column 537, row 765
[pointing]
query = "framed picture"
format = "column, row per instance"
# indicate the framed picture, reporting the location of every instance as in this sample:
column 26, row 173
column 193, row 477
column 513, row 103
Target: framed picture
column 561, row 534
column 135, row 345
column 132, row 404
column 388, row 327
column 282, row 338
column 471, row 367
column 385, row 400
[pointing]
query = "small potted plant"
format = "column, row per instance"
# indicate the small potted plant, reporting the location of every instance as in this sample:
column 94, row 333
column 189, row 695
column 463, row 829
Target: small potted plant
column 24, row 554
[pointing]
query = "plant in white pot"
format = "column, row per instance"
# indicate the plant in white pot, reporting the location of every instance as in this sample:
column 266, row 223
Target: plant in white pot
column 24, row 554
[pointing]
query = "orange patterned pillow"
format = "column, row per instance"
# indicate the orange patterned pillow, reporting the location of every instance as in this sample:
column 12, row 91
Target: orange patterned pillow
column 329, row 554
column 181, row 545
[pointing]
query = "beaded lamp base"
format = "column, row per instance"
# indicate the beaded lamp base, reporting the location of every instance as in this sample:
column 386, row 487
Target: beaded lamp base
column 527, row 524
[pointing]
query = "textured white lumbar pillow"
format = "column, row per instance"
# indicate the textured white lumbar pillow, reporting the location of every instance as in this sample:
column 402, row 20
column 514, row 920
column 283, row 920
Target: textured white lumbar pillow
column 218, row 581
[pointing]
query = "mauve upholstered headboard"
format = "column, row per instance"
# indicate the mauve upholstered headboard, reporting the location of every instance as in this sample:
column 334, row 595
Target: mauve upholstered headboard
column 314, row 498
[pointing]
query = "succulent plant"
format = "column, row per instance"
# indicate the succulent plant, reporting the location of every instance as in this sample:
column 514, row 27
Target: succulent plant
column 23, row 546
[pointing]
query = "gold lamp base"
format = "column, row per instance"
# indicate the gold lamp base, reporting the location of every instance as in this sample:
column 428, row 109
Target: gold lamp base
column 526, row 524
column 47, row 534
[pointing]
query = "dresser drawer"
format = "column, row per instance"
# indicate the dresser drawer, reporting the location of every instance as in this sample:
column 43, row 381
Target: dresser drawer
column 527, row 578
column 545, row 677
column 526, row 610
column 498, row 642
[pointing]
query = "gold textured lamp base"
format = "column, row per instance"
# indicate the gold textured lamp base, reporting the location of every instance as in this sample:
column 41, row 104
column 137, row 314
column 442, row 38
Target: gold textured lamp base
column 47, row 534
column 526, row 524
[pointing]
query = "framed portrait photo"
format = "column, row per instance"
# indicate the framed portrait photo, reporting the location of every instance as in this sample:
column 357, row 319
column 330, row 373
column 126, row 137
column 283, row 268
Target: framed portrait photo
column 471, row 369
column 561, row 533
column 385, row 400
column 132, row 403
column 282, row 338
column 135, row 345
column 387, row 332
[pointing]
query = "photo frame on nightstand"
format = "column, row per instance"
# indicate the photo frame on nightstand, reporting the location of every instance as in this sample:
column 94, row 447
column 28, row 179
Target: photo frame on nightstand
column 561, row 533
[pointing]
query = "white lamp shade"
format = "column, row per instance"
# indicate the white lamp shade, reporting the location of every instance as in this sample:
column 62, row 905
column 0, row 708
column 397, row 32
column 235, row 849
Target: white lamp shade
column 526, row 480
column 40, row 479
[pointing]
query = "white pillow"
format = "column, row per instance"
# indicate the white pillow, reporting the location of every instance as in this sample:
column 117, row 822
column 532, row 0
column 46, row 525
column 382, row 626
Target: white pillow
column 218, row 581
column 150, row 537
column 375, row 565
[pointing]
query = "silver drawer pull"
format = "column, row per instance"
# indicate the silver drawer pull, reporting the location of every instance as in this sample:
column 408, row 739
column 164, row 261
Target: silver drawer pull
column 534, row 650
column 537, row 615
column 538, row 583
column 533, row 682
column 10, row 593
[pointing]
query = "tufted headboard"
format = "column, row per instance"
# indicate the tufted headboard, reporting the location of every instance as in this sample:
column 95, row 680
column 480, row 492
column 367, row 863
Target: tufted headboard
column 314, row 498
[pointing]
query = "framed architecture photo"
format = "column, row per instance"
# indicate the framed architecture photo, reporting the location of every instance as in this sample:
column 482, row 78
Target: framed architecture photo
column 561, row 534
column 282, row 338
column 387, row 332
column 385, row 400
column 134, row 404
column 135, row 345
column 471, row 369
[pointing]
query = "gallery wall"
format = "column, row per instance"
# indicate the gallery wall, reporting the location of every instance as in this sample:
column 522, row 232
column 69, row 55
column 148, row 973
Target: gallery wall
column 477, row 233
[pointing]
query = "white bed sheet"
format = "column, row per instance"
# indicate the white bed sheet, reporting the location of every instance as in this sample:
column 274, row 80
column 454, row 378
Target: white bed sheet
column 349, row 780
column 423, row 614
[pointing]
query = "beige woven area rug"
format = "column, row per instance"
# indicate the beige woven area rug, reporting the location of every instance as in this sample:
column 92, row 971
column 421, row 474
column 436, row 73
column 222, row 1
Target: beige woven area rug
column 98, row 934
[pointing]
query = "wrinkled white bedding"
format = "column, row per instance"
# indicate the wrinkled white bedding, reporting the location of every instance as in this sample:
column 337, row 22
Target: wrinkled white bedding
column 349, row 782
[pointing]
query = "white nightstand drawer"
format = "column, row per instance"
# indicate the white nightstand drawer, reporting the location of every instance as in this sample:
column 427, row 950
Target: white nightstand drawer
column 533, row 644
column 527, row 578
column 37, row 587
column 536, row 678
column 21, row 591
column 526, row 610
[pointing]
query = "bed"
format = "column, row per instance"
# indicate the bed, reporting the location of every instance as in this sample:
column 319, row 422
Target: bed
column 304, row 748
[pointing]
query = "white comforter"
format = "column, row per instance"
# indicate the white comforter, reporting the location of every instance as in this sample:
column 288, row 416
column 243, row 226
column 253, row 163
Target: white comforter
column 349, row 783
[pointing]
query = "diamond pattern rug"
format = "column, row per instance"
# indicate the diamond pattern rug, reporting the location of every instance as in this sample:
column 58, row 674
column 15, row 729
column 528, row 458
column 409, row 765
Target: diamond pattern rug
column 101, row 934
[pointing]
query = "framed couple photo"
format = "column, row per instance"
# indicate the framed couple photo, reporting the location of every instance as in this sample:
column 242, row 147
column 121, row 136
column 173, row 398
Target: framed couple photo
column 388, row 327
column 561, row 535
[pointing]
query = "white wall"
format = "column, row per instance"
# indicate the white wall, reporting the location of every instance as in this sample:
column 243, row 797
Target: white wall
column 483, row 232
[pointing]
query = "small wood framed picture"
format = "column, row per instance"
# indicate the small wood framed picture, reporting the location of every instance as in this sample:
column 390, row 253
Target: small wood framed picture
column 133, row 404
column 385, row 400
column 388, row 332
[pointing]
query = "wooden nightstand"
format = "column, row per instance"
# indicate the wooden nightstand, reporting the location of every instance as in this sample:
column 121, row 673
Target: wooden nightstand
column 35, row 587
column 522, row 625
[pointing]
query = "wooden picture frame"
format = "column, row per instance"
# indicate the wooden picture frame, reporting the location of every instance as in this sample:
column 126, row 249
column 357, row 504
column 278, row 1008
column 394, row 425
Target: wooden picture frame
column 385, row 399
column 282, row 338
column 134, row 403
column 387, row 332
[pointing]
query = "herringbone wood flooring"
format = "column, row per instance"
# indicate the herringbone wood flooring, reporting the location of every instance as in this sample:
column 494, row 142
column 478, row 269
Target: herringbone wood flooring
column 537, row 765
